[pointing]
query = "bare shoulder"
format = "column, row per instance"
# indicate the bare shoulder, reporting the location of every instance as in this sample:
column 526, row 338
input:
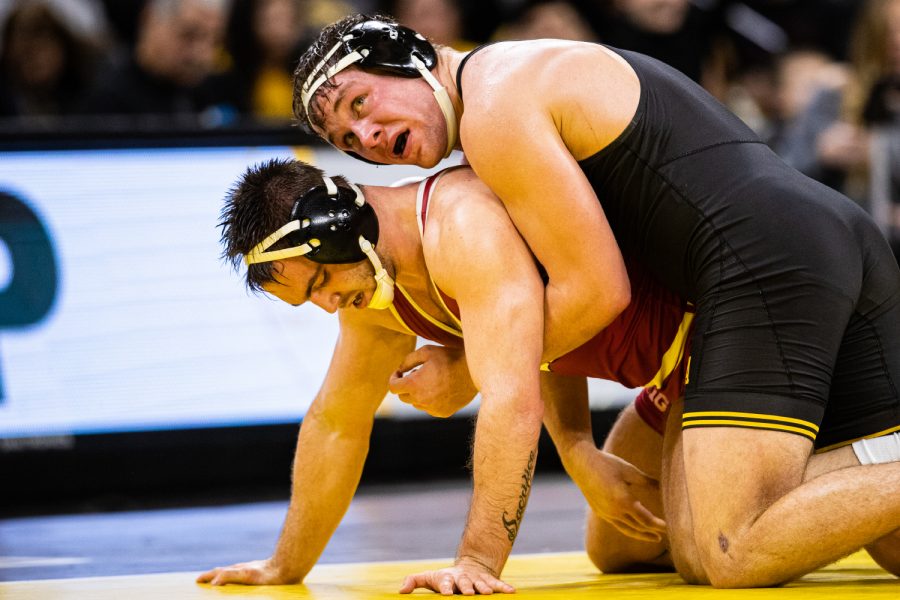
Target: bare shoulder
column 459, row 183
column 462, row 202
column 577, row 86
column 467, row 228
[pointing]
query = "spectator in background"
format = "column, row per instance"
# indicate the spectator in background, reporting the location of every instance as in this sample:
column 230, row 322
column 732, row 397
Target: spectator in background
column 50, row 50
column 177, row 47
column 263, row 39
column 832, row 139
column 441, row 21
column 769, row 93
column 680, row 33
column 123, row 17
column 554, row 19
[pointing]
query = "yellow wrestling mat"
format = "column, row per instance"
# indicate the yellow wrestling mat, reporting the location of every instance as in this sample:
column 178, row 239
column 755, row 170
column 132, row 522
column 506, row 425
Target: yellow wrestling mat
column 551, row 576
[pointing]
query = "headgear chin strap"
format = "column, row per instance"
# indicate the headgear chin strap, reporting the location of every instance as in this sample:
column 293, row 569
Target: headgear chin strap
column 385, row 47
column 330, row 225
column 384, row 285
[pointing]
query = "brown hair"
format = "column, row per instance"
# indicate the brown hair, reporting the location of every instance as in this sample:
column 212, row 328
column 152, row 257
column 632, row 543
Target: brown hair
column 324, row 42
column 259, row 203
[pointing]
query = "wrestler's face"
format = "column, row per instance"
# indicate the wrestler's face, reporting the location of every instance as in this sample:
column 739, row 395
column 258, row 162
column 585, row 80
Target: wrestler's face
column 391, row 120
column 330, row 287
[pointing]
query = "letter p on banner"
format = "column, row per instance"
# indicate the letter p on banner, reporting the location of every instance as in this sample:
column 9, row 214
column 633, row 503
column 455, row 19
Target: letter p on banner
column 29, row 292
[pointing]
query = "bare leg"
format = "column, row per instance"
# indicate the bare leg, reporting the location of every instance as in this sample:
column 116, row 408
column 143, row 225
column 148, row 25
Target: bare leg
column 839, row 471
column 756, row 523
column 633, row 440
column 886, row 550
column 676, row 505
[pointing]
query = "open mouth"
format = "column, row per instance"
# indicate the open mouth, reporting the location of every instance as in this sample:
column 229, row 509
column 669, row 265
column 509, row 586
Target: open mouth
column 400, row 143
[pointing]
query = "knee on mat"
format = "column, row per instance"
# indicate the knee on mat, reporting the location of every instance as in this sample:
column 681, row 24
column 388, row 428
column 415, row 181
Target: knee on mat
column 612, row 558
column 609, row 561
column 729, row 572
column 886, row 552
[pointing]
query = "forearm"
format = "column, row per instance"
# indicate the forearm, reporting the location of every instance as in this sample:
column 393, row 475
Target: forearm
column 323, row 486
column 567, row 417
column 572, row 317
column 503, row 458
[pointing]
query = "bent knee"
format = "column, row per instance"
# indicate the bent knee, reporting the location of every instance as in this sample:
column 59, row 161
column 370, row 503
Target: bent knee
column 613, row 552
column 609, row 559
column 886, row 552
column 612, row 561
column 738, row 570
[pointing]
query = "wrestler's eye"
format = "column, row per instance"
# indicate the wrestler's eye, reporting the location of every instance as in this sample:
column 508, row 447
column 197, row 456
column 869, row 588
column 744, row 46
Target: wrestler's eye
column 349, row 139
column 358, row 103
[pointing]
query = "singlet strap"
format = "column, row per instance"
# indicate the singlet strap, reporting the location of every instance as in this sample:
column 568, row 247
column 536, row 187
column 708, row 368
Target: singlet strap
column 463, row 64
column 396, row 313
column 423, row 195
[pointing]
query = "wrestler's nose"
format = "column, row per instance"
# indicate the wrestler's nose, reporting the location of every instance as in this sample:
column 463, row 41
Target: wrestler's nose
column 370, row 134
column 327, row 301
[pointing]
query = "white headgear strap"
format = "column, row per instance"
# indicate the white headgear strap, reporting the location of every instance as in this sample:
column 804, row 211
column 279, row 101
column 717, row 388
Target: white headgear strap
column 315, row 81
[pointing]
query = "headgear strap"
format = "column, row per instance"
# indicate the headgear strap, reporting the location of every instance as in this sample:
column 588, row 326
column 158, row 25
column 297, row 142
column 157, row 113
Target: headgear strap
column 392, row 48
column 324, row 228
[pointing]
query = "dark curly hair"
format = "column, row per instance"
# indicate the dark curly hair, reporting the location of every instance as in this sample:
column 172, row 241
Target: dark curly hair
column 259, row 203
column 325, row 41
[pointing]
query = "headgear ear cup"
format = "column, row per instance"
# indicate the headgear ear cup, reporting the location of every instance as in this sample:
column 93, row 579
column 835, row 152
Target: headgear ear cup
column 330, row 225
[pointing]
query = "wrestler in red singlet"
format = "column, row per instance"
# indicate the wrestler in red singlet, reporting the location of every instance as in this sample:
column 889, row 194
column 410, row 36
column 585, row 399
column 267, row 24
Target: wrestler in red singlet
column 645, row 346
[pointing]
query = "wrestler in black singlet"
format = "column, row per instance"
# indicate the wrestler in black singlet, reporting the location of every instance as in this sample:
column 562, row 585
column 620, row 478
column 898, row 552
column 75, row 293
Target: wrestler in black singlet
column 797, row 293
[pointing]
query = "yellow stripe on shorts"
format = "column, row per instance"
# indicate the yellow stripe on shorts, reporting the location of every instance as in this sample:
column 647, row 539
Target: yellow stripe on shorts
column 750, row 420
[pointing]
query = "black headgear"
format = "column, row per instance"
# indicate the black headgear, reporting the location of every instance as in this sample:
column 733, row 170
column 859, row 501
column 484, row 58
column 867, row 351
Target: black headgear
column 326, row 225
column 337, row 222
column 330, row 225
column 390, row 47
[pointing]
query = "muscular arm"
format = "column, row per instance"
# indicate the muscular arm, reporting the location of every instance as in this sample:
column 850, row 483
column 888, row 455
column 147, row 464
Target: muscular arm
column 612, row 486
column 526, row 162
column 501, row 308
column 331, row 449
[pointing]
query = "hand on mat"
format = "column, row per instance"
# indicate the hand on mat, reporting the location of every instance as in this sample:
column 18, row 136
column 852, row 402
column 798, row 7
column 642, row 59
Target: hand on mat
column 257, row 572
column 434, row 379
column 613, row 488
column 464, row 578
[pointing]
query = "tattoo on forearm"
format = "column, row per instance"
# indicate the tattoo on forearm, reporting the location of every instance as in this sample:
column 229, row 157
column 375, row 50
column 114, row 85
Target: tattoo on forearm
column 512, row 524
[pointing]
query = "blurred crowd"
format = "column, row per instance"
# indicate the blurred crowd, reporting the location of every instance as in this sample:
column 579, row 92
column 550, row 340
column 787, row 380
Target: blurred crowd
column 819, row 80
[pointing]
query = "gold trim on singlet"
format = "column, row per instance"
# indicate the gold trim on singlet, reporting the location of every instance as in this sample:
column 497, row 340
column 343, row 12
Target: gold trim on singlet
column 420, row 191
column 447, row 311
column 396, row 314
column 420, row 199
column 675, row 354
column 865, row 437
column 751, row 420
column 418, row 309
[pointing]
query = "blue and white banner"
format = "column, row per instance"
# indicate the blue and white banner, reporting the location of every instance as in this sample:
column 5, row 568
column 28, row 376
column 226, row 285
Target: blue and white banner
column 116, row 312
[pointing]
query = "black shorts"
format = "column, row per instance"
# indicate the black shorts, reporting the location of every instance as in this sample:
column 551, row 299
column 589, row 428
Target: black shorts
column 797, row 322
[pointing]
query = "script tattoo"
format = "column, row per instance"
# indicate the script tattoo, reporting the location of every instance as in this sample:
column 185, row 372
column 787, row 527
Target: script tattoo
column 512, row 524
